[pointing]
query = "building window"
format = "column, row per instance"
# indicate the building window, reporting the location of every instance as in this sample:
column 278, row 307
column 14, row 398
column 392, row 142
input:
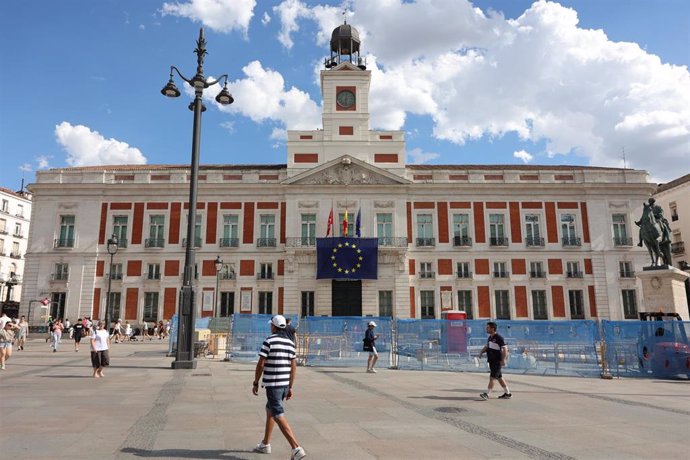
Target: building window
column 15, row 254
column 463, row 270
column 350, row 224
column 20, row 210
column 674, row 211
column 265, row 303
column 267, row 230
column 227, row 304
column 533, row 230
column 502, row 303
column 497, row 230
column 150, row 306
column 120, row 230
column 461, row 230
column 197, row 232
column 539, row 305
column 425, row 230
column 465, row 302
column 620, row 231
column 308, row 228
column 2, row 247
column 115, row 306
column 117, row 272
column 577, row 305
column 230, row 231
column 629, row 304
column 536, row 270
column 425, row 270
column 307, row 303
column 572, row 270
column 500, row 270
column 66, row 238
column 156, row 232
column 384, row 229
column 57, row 304
column 626, row 270
column 265, row 271
column 5, row 207
column 426, row 301
column 386, row 303
column 18, row 230
column 568, row 232
column 3, row 227
column 61, row 272
column 153, row 272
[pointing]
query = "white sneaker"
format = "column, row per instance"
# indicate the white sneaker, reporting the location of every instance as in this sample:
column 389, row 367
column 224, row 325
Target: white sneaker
column 2, row 367
column 263, row 448
column 372, row 370
column 298, row 453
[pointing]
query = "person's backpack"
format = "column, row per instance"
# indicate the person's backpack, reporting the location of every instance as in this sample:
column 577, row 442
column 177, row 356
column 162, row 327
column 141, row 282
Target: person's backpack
column 367, row 345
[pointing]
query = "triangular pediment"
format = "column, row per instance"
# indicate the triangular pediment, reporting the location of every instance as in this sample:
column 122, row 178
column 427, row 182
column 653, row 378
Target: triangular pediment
column 346, row 170
column 345, row 66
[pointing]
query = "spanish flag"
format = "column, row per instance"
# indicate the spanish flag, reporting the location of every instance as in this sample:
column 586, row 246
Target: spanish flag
column 345, row 224
column 330, row 223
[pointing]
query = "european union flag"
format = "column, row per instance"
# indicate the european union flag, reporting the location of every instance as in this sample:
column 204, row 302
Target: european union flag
column 347, row 258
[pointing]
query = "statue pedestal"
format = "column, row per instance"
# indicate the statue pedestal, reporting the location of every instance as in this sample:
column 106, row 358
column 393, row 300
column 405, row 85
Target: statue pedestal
column 663, row 289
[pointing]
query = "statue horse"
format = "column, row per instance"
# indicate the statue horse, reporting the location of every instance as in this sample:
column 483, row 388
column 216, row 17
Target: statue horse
column 652, row 235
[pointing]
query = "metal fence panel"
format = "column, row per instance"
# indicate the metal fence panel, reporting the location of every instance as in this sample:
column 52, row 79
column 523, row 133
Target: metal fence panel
column 248, row 334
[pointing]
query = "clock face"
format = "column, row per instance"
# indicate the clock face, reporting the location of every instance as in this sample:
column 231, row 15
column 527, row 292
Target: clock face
column 345, row 98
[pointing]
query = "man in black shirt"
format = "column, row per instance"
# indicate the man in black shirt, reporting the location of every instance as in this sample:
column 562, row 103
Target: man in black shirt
column 78, row 331
column 496, row 353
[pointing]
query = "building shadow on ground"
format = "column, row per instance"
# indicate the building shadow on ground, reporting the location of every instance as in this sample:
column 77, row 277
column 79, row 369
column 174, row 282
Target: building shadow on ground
column 221, row 454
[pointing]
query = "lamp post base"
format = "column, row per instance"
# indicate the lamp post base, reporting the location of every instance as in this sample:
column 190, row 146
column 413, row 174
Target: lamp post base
column 184, row 364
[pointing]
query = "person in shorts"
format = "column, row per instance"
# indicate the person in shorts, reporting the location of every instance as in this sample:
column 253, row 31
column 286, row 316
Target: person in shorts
column 370, row 346
column 278, row 366
column 100, row 343
column 496, row 353
column 22, row 333
column 6, row 338
column 78, row 332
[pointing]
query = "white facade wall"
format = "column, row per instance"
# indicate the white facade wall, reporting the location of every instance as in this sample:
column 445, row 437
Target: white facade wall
column 15, row 217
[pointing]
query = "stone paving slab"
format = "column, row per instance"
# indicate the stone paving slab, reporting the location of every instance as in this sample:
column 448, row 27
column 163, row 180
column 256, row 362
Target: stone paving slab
column 52, row 408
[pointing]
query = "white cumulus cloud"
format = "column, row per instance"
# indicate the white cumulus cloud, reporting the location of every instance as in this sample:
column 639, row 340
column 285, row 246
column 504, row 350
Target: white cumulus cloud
column 417, row 156
column 85, row 147
column 523, row 155
column 42, row 162
column 219, row 15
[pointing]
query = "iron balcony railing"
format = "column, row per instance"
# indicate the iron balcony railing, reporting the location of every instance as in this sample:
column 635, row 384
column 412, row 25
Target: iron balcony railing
column 265, row 275
column 154, row 242
column 427, row 275
column 64, row 243
column 4, row 232
column 627, row 273
column 571, row 241
column 15, row 255
column 393, row 241
column 574, row 274
column 537, row 274
column 18, row 235
column 462, row 241
column 152, row 276
column 59, row 276
column 266, row 243
column 498, row 241
column 678, row 248
column 116, row 276
column 426, row 242
column 122, row 243
column 622, row 241
column 226, row 275
column 197, row 242
column 534, row 241
column 229, row 242
column 501, row 274
column 464, row 274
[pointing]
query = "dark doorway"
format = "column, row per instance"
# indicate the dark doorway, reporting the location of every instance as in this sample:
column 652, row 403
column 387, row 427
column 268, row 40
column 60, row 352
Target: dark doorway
column 347, row 298
column 227, row 304
column 57, row 307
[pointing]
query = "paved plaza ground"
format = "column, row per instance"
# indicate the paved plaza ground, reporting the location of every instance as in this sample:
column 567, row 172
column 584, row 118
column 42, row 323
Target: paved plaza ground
column 52, row 408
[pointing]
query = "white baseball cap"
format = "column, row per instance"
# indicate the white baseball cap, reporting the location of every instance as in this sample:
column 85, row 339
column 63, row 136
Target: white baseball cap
column 278, row 321
column 371, row 323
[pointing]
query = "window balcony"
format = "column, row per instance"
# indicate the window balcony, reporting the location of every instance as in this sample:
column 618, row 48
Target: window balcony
column 226, row 276
column 466, row 275
column 573, row 274
column 4, row 232
column 571, row 242
column 498, row 241
column 122, row 243
column 15, row 255
column 674, row 217
column 4, row 211
column 427, row 275
column 426, row 242
column 392, row 241
column 18, row 235
column 266, row 243
column 152, row 276
column 622, row 241
column 537, row 274
column 534, row 242
column 64, row 243
column 197, row 242
column 627, row 273
column 265, row 276
column 59, row 277
column 501, row 274
column 154, row 242
column 462, row 241
column 677, row 248
column 229, row 242
column 115, row 276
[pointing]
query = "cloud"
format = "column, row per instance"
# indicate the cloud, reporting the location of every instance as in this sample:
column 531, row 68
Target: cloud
column 288, row 12
column 220, row 15
column 229, row 126
column 26, row 167
column 417, row 156
column 522, row 155
column 87, row 148
column 265, row 19
column 42, row 162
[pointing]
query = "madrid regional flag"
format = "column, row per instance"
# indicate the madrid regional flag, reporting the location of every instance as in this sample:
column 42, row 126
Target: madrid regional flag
column 347, row 258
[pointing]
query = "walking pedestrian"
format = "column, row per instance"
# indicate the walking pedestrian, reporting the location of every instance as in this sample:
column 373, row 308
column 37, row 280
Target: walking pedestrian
column 100, row 343
column 278, row 366
column 78, row 333
column 57, row 334
column 6, row 339
column 370, row 346
column 22, row 333
column 291, row 331
column 3, row 320
column 496, row 353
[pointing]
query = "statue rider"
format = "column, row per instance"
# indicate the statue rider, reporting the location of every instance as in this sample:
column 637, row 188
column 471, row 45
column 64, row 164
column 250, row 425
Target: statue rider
column 647, row 208
column 665, row 243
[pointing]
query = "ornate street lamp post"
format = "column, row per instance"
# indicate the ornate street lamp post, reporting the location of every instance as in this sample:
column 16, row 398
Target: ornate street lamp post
column 184, row 357
column 219, row 267
column 113, row 246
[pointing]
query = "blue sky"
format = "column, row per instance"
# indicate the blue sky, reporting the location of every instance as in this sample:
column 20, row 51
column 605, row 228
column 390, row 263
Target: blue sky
column 488, row 82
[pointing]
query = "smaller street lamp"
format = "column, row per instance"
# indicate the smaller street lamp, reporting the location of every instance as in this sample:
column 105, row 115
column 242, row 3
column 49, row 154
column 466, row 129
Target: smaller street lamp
column 219, row 267
column 113, row 246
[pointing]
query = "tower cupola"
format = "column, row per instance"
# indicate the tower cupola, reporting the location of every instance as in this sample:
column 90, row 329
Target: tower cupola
column 345, row 47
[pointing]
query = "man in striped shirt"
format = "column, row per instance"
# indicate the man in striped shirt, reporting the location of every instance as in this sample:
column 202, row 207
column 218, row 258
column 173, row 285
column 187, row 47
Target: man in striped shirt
column 278, row 366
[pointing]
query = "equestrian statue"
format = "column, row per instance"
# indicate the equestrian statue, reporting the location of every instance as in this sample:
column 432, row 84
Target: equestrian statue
column 655, row 233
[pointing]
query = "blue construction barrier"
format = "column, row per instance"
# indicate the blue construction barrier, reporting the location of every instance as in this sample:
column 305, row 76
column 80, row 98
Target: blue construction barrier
column 199, row 323
column 248, row 333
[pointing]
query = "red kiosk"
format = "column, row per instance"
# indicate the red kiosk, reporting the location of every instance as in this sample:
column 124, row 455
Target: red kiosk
column 455, row 339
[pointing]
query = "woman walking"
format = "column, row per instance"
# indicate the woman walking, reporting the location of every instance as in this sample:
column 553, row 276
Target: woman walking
column 6, row 339
column 23, row 333
column 100, row 343
column 57, row 334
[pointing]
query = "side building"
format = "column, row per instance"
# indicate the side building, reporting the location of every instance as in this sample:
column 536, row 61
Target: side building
column 498, row 241
column 674, row 199
column 15, row 213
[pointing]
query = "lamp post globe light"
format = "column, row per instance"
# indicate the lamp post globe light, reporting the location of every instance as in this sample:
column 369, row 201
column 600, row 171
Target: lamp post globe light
column 113, row 246
column 184, row 356
column 219, row 267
